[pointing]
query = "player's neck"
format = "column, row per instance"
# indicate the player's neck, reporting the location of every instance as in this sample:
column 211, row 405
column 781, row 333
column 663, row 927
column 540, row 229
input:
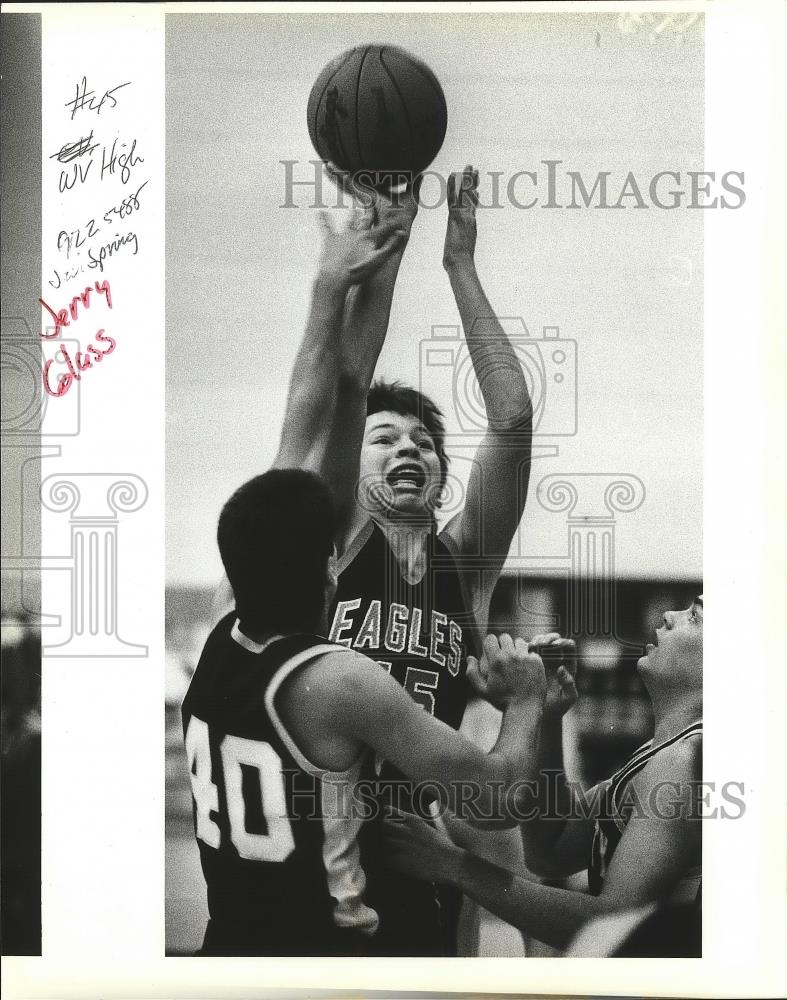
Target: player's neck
column 675, row 711
column 407, row 541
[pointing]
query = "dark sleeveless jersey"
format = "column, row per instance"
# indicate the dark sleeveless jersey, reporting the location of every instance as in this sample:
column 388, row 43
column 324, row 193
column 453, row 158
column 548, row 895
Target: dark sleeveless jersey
column 278, row 837
column 421, row 634
column 614, row 812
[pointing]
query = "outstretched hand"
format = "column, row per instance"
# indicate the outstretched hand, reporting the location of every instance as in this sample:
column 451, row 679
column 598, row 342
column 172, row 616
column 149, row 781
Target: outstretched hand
column 507, row 671
column 379, row 207
column 351, row 255
column 460, row 235
column 560, row 663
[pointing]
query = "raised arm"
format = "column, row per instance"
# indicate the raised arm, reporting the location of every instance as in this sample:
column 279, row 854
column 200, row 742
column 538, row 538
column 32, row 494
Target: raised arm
column 345, row 331
column 364, row 329
column 558, row 831
column 331, row 380
column 497, row 488
column 325, row 382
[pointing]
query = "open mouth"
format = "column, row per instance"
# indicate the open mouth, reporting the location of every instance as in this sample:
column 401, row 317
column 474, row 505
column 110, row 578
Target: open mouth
column 407, row 477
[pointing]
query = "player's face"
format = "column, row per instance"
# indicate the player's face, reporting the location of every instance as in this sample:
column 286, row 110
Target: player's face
column 400, row 470
column 677, row 651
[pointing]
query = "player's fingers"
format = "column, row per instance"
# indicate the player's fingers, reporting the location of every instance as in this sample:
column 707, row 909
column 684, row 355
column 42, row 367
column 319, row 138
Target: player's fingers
column 341, row 178
column 520, row 645
column 382, row 233
column 543, row 639
column 491, row 644
column 567, row 650
column 474, row 677
column 506, row 643
column 326, row 222
column 357, row 221
column 571, row 656
column 452, row 190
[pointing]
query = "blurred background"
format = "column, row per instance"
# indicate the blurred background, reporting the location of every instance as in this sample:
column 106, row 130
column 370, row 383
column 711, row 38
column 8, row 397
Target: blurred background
column 624, row 289
column 20, row 462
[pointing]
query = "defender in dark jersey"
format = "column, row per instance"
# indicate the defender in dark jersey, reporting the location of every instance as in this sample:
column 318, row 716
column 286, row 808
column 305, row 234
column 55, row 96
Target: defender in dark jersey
column 282, row 728
column 638, row 833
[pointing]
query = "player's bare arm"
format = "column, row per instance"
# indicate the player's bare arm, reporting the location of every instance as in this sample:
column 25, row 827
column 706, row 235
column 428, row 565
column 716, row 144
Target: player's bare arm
column 558, row 833
column 649, row 862
column 554, row 845
column 322, row 373
column 497, row 489
column 354, row 704
column 365, row 325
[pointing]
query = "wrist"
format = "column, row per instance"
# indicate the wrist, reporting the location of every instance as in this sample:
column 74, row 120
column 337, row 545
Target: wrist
column 530, row 705
column 454, row 860
column 331, row 286
column 458, row 261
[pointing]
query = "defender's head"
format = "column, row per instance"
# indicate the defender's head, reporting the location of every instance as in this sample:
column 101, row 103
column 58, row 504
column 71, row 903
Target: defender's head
column 276, row 539
column 675, row 659
column 404, row 466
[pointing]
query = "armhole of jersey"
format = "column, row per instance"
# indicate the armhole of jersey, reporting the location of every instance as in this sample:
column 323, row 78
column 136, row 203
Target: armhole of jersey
column 355, row 546
column 299, row 660
column 453, row 550
column 639, row 760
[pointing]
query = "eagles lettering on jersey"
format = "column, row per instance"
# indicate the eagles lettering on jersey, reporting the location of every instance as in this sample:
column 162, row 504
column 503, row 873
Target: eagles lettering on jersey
column 421, row 633
column 615, row 808
column 399, row 629
column 278, row 837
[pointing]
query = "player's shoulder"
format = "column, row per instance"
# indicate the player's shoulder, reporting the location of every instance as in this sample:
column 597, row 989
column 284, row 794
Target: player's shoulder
column 335, row 663
column 679, row 761
column 342, row 687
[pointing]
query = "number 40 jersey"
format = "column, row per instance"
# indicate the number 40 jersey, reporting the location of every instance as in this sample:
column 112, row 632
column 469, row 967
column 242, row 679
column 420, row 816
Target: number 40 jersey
column 277, row 836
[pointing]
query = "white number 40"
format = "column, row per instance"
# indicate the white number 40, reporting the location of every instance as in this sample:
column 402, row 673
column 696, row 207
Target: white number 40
column 275, row 845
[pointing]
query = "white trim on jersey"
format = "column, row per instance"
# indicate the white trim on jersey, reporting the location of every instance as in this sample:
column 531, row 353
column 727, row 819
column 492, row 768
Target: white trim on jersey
column 355, row 546
column 340, row 820
column 249, row 644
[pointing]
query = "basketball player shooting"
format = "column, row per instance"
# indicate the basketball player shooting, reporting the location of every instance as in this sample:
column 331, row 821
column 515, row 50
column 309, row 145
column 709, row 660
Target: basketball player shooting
column 410, row 596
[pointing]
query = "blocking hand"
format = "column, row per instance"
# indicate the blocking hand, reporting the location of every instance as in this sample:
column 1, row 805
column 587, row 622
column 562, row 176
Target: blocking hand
column 560, row 664
column 380, row 207
column 460, row 235
column 507, row 672
column 352, row 255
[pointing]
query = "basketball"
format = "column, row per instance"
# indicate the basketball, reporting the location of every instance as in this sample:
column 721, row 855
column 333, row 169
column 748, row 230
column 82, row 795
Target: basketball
column 378, row 109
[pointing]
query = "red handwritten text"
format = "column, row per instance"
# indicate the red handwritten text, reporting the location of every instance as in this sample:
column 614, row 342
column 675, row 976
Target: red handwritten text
column 83, row 360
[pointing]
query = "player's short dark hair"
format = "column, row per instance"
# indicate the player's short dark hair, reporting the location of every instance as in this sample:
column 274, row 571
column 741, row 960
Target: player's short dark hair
column 275, row 535
column 399, row 398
